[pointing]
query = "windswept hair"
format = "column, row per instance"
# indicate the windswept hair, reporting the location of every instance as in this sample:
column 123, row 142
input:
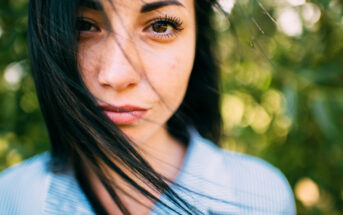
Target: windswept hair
column 79, row 131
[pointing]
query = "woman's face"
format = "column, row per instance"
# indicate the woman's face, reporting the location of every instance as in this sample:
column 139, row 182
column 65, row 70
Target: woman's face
column 138, row 59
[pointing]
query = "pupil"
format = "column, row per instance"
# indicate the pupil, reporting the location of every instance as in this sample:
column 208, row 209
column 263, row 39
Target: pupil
column 160, row 27
column 84, row 26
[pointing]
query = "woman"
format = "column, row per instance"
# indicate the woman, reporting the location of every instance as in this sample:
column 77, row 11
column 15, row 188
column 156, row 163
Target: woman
column 129, row 93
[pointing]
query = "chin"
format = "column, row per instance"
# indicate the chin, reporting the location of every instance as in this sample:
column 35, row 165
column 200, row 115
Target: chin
column 140, row 133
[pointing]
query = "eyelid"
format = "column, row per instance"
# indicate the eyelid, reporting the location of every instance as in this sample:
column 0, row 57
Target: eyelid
column 171, row 19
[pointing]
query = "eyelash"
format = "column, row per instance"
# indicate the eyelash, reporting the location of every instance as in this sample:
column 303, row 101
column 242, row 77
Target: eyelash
column 166, row 20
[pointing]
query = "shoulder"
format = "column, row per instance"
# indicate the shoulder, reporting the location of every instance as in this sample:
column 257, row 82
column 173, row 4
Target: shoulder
column 259, row 184
column 250, row 183
column 22, row 187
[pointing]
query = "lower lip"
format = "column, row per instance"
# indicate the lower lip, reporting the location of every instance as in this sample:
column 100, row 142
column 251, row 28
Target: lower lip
column 125, row 118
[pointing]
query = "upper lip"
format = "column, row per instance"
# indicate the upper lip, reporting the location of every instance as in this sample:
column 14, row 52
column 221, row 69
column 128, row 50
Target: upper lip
column 122, row 108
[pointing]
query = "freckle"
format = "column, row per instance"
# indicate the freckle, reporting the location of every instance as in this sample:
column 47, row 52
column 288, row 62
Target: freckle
column 173, row 66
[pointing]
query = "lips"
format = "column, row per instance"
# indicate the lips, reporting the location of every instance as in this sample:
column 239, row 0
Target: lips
column 124, row 115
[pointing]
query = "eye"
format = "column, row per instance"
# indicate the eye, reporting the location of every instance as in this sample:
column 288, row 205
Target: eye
column 161, row 27
column 165, row 27
column 86, row 26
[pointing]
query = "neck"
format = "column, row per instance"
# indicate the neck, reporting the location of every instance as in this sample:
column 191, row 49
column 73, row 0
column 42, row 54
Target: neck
column 164, row 153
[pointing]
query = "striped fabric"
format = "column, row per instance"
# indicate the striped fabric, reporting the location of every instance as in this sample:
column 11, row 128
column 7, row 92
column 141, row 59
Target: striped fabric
column 216, row 181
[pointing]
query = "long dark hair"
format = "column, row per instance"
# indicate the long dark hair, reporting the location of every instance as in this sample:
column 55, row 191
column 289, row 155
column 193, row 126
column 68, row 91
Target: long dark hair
column 80, row 132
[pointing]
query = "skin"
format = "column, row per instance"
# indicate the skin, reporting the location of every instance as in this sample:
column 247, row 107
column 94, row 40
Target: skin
column 136, row 63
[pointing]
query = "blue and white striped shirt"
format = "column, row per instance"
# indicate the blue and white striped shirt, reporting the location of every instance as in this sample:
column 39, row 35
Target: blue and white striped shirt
column 248, row 186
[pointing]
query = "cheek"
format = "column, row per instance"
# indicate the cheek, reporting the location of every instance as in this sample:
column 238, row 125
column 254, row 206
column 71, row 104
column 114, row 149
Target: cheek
column 169, row 76
column 88, row 65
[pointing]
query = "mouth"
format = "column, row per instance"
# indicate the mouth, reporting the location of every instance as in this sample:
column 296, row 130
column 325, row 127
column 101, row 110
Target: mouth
column 124, row 115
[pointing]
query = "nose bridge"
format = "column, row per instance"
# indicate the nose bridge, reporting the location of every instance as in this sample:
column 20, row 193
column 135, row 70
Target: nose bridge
column 120, row 50
column 119, row 68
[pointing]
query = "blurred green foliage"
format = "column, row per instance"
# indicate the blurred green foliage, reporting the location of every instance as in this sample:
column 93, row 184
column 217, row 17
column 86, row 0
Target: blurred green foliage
column 282, row 64
column 22, row 131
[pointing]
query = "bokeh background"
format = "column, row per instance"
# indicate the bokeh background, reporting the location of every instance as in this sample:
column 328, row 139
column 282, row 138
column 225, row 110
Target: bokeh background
column 282, row 63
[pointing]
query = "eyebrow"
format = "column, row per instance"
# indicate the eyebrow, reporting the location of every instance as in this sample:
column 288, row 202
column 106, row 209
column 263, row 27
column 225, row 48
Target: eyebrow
column 91, row 4
column 156, row 5
column 95, row 5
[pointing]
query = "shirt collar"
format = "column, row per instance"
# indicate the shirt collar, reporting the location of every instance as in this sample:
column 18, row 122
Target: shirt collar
column 204, row 173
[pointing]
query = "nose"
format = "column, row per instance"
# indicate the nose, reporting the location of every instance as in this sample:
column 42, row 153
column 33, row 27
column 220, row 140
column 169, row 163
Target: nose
column 119, row 67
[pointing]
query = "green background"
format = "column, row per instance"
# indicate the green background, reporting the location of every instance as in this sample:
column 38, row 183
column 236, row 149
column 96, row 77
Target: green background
column 282, row 64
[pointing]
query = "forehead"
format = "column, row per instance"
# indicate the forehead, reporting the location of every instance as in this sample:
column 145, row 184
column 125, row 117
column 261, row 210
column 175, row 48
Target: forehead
column 141, row 6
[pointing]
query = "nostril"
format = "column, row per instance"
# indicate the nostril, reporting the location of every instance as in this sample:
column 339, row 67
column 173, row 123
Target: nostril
column 131, row 85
